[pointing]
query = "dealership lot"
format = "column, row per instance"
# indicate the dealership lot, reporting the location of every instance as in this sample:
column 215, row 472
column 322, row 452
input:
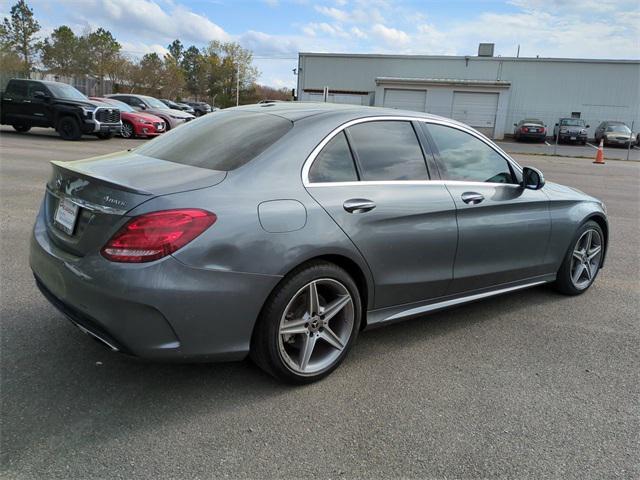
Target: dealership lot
column 586, row 151
column 530, row 384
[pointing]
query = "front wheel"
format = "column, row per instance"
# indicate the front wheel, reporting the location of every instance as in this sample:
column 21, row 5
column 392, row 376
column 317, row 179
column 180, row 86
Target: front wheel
column 308, row 324
column 582, row 261
column 127, row 130
column 69, row 129
column 21, row 128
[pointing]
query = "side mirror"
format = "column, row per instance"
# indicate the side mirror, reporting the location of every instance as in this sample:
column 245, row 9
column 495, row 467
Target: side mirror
column 587, row 126
column 40, row 95
column 556, row 124
column 515, row 124
column 532, row 178
column 141, row 106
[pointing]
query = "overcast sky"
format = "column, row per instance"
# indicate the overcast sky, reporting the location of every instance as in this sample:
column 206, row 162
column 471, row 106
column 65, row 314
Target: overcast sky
column 276, row 30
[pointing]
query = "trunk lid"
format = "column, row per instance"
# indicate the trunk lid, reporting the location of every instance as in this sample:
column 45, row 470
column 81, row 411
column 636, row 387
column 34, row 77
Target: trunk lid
column 106, row 188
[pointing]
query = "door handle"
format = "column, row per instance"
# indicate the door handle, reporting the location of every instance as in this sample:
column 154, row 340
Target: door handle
column 26, row 101
column 472, row 198
column 358, row 205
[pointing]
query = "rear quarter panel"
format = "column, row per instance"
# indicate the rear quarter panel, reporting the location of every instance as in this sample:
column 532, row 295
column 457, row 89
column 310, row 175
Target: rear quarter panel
column 238, row 241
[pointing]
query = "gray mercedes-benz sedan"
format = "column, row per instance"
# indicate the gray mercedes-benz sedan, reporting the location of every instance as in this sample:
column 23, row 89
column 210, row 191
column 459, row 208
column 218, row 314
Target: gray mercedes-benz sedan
column 282, row 230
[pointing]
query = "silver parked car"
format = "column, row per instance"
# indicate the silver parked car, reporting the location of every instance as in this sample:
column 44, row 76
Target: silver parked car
column 614, row 133
column 143, row 103
column 283, row 230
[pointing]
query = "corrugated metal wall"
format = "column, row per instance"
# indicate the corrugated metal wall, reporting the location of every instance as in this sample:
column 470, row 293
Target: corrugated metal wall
column 543, row 88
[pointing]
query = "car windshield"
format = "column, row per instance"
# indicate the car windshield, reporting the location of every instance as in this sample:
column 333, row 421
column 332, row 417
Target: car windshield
column 121, row 105
column 532, row 120
column 618, row 129
column 219, row 142
column 572, row 122
column 61, row 90
column 154, row 102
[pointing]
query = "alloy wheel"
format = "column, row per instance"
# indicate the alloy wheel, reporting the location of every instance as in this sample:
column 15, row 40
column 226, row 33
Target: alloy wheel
column 585, row 260
column 127, row 130
column 316, row 326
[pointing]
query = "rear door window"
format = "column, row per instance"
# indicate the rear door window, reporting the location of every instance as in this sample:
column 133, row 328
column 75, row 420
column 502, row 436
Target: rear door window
column 334, row 163
column 17, row 89
column 388, row 150
column 224, row 141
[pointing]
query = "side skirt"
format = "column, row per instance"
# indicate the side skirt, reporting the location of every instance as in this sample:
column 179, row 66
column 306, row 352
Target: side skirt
column 398, row 313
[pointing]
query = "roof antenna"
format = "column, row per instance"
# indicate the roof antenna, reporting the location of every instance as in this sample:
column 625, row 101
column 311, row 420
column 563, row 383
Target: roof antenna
column 518, row 54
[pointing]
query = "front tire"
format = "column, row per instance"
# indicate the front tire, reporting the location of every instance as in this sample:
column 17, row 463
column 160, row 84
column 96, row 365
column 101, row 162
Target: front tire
column 308, row 324
column 69, row 129
column 127, row 130
column 21, row 128
column 582, row 261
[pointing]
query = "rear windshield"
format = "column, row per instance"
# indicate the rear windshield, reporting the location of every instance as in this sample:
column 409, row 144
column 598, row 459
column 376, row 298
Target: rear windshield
column 224, row 141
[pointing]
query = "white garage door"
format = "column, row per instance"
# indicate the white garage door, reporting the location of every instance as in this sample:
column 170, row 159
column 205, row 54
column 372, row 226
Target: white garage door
column 405, row 99
column 477, row 110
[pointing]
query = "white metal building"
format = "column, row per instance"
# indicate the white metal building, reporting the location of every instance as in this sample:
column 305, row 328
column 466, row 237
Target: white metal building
column 489, row 93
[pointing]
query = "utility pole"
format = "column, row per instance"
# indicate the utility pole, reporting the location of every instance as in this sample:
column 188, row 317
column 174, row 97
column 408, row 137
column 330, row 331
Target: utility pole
column 238, row 86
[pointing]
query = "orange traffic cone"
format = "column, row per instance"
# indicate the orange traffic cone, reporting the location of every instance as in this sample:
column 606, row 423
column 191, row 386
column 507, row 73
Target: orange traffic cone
column 600, row 155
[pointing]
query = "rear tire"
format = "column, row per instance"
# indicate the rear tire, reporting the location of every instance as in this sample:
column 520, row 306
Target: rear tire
column 69, row 129
column 21, row 128
column 300, row 340
column 582, row 261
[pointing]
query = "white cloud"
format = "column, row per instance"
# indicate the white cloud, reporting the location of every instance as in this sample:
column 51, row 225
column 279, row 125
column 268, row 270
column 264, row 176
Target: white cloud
column 335, row 13
column 390, row 35
column 356, row 32
column 148, row 18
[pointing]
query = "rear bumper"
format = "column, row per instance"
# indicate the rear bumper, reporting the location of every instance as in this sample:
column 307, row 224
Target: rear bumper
column 161, row 310
column 532, row 136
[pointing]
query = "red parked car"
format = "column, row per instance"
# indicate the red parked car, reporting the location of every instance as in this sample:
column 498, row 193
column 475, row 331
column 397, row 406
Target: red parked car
column 134, row 123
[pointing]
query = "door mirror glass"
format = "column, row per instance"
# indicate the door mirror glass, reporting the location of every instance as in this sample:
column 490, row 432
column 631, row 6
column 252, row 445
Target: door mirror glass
column 141, row 106
column 532, row 178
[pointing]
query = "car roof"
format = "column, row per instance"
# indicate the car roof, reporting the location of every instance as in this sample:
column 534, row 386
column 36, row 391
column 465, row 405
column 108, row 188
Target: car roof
column 295, row 111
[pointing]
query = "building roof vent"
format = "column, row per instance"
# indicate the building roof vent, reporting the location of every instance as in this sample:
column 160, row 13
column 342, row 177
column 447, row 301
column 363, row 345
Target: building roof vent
column 485, row 49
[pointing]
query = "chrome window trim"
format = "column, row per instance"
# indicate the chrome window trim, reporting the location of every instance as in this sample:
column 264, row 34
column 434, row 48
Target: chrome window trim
column 401, row 118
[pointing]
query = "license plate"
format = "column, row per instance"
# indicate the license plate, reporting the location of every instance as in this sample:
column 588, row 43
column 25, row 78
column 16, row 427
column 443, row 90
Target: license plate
column 533, row 130
column 574, row 138
column 66, row 216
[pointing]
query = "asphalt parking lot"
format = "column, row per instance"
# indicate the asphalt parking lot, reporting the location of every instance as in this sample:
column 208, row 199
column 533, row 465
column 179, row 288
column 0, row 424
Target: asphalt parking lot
column 529, row 385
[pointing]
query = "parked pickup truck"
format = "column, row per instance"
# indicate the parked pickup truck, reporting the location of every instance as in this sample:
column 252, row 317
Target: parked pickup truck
column 36, row 103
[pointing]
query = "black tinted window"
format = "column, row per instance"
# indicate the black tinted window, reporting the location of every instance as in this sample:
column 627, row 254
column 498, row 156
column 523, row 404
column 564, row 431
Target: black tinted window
column 388, row 151
column 224, row 141
column 334, row 163
column 17, row 89
column 464, row 157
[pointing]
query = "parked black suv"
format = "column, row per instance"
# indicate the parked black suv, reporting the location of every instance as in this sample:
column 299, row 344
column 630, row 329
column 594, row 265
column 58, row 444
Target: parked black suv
column 36, row 103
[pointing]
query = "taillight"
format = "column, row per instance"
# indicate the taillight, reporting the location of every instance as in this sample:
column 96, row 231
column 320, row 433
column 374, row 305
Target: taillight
column 155, row 235
column 525, row 129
